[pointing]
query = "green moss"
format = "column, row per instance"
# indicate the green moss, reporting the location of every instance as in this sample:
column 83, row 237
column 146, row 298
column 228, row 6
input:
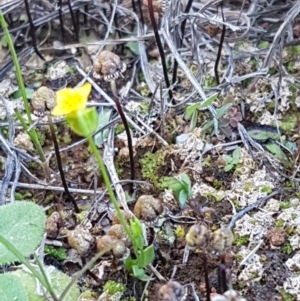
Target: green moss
column 217, row 184
column 289, row 121
column 238, row 258
column 263, row 258
column 290, row 231
column 113, row 287
column 22, row 196
column 34, row 165
column 266, row 189
column 150, row 165
column 287, row 249
column 41, row 136
column 81, row 215
column 293, row 51
column 285, row 205
column 66, row 138
column 58, row 253
column 285, row 296
column 144, row 107
column 248, row 187
column 209, row 82
column 119, row 129
column 241, row 240
column 279, row 223
column 207, row 161
column 210, row 195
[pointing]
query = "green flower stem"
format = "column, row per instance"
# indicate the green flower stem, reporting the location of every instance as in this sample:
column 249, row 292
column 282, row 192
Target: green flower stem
column 111, row 193
column 32, row 133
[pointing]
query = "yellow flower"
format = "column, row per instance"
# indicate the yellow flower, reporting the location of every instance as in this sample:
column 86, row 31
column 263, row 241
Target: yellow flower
column 69, row 100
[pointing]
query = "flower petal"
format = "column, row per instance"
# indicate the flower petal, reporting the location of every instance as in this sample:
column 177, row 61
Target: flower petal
column 84, row 91
column 69, row 100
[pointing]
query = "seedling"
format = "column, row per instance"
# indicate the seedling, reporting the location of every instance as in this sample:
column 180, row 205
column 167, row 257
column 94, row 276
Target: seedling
column 191, row 112
column 182, row 189
column 232, row 161
column 144, row 256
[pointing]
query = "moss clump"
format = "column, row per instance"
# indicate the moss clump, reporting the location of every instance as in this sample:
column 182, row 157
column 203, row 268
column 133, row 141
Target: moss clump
column 279, row 223
column 287, row 249
column 150, row 165
column 58, row 253
column 42, row 137
column 120, row 128
column 241, row 240
column 22, row 196
column 285, row 296
column 212, row 196
column 285, row 205
column 113, row 287
column 217, row 184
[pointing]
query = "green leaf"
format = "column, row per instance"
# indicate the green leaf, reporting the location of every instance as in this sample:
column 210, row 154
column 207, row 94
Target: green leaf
column 276, row 150
column 263, row 135
column 194, row 120
column 190, row 109
column 137, row 233
column 219, row 113
column 129, row 263
column 22, row 224
column 182, row 198
column 208, row 101
column 103, row 119
column 18, row 94
column 175, row 184
column 57, row 279
column 236, row 155
column 146, row 257
column 11, row 288
column 263, row 44
column 228, row 167
column 134, row 47
column 140, row 273
column 228, row 159
column 3, row 41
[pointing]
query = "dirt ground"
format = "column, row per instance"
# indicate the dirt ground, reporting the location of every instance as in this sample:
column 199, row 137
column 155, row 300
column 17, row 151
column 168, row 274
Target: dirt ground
column 239, row 150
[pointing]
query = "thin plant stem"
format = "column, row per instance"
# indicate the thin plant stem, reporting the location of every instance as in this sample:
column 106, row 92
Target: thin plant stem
column 76, row 277
column 182, row 29
column 61, row 20
column 32, row 133
column 17, row 67
column 32, row 31
column 110, row 191
column 126, row 126
column 76, row 28
column 49, row 287
column 204, row 257
column 220, row 48
column 160, row 47
column 60, row 166
column 22, row 259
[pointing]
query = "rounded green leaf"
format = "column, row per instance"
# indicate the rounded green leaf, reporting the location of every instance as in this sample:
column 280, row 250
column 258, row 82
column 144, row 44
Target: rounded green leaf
column 22, row 224
column 83, row 122
column 11, row 288
column 58, row 282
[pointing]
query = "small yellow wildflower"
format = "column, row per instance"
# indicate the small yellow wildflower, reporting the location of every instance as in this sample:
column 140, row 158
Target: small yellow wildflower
column 69, row 100
column 179, row 231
